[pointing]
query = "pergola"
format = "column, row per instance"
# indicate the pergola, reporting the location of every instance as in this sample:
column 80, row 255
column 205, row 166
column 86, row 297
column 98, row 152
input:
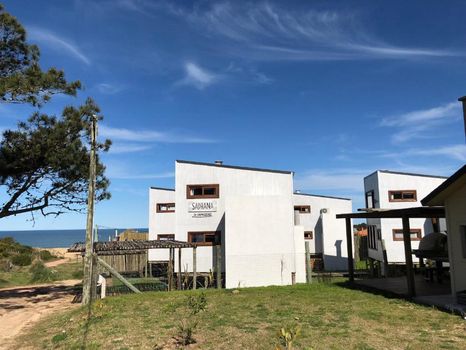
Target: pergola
column 404, row 214
column 140, row 247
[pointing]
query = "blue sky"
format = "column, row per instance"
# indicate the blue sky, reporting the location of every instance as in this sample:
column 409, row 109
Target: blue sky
column 330, row 90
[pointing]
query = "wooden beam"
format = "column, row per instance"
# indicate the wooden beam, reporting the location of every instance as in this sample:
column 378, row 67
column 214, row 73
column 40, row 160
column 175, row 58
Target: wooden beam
column 408, row 257
column 219, row 266
column 349, row 246
column 194, row 268
column 170, row 269
column 117, row 275
column 179, row 269
column 308, row 263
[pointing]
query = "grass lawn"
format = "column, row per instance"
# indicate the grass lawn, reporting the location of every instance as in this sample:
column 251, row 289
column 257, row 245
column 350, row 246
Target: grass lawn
column 330, row 317
column 21, row 276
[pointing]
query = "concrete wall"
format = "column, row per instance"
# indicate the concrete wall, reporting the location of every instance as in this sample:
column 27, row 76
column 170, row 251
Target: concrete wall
column 329, row 232
column 259, row 241
column 383, row 182
column 456, row 219
column 160, row 223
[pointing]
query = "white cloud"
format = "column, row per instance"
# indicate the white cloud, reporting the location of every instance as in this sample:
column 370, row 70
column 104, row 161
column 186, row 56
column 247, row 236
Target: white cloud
column 197, row 76
column 457, row 152
column 350, row 180
column 267, row 32
column 108, row 89
column 118, row 148
column 417, row 124
column 57, row 43
column 148, row 136
column 139, row 176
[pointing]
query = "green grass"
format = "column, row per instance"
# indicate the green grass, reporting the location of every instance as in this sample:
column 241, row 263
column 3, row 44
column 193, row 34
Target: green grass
column 21, row 276
column 330, row 317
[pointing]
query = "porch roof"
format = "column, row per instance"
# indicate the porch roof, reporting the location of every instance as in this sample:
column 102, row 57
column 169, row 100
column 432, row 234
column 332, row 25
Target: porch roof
column 415, row 212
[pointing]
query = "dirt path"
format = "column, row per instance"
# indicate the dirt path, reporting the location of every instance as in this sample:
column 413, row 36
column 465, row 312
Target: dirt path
column 21, row 307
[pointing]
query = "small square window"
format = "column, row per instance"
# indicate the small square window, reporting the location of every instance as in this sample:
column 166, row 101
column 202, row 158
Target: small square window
column 166, row 237
column 202, row 191
column 415, row 234
column 165, row 208
column 304, row 209
column 205, row 238
column 402, row 196
column 308, row 235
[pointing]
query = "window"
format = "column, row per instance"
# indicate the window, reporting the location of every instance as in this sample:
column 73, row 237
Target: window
column 373, row 235
column 306, row 209
column 402, row 196
column 165, row 207
column 202, row 191
column 370, row 199
column 415, row 234
column 205, row 238
column 166, row 237
column 308, row 235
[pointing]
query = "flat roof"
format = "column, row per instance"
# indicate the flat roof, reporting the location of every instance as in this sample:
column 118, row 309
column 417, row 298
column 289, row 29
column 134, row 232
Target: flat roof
column 235, row 167
column 416, row 212
column 162, row 188
column 445, row 185
column 322, row 196
column 403, row 173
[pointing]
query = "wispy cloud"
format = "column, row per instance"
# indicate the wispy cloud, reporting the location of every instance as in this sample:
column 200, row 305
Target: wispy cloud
column 267, row 32
column 197, row 76
column 350, row 180
column 416, row 124
column 118, row 148
column 149, row 136
column 457, row 152
column 57, row 43
column 108, row 89
column 139, row 176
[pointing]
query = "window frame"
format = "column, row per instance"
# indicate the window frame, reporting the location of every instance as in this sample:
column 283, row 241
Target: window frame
column 300, row 207
column 391, row 192
column 217, row 241
column 163, row 237
column 373, row 237
column 203, row 186
column 311, row 234
column 158, row 205
column 418, row 232
column 372, row 192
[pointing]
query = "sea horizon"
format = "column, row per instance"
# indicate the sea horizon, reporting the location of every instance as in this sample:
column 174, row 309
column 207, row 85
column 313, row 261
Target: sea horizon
column 59, row 238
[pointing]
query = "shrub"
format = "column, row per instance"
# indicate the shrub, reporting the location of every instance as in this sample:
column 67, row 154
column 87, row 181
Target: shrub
column 45, row 255
column 23, row 259
column 194, row 305
column 41, row 273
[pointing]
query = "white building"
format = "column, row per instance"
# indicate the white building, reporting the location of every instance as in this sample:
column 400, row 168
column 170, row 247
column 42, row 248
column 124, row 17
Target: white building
column 250, row 212
column 452, row 195
column 396, row 190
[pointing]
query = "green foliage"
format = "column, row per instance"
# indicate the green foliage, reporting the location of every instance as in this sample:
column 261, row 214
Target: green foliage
column 41, row 273
column 287, row 337
column 22, row 259
column 21, row 78
column 194, row 305
column 45, row 255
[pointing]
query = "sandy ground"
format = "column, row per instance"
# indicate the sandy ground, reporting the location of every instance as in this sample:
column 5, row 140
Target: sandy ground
column 21, row 307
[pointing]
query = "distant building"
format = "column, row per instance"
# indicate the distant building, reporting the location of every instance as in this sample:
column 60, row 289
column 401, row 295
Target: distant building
column 253, row 213
column 395, row 190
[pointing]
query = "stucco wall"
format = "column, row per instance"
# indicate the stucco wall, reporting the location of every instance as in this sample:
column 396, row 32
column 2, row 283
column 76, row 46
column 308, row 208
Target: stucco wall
column 456, row 217
column 259, row 241
column 160, row 223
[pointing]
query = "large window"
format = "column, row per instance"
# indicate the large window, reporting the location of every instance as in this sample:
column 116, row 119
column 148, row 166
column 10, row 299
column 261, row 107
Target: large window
column 402, row 196
column 370, row 199
column 205, row 238
column 305, row 209
column 308, row 235
column 166, row 237
column 373, row 236
column 415, row 234
column 165, row 207
column 202, row 191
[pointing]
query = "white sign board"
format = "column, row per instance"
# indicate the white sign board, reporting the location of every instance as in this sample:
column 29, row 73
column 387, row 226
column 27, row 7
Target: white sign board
column 202, row 206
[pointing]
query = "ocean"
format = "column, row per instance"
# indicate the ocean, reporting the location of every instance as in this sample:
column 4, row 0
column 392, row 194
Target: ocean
column 58, row 238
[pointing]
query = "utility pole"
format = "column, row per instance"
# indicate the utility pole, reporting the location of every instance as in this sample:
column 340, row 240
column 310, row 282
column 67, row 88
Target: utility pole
column 88, row 261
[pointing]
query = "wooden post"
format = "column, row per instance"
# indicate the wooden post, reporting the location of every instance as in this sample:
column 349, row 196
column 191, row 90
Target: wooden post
column 194, row 268
column 349, row 245
column 408, row 257
column 219, row 266
column 170, row 269
column 145, row 265
column 117, row 275
column 308, row 263
column 180, row 287
column 95, row 277
column 87, row 276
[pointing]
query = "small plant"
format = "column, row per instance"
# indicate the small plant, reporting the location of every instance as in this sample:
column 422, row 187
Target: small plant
column 287, row 336
column 22, row 259
column 45, row 255
column 194, row 305
column 209, row 279
column 41, row 273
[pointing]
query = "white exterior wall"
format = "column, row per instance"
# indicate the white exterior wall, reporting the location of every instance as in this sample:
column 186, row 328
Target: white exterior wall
column 329, row 232
column 383, row 182
column 455, row 207
column 259, row 241
column 160, row 223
